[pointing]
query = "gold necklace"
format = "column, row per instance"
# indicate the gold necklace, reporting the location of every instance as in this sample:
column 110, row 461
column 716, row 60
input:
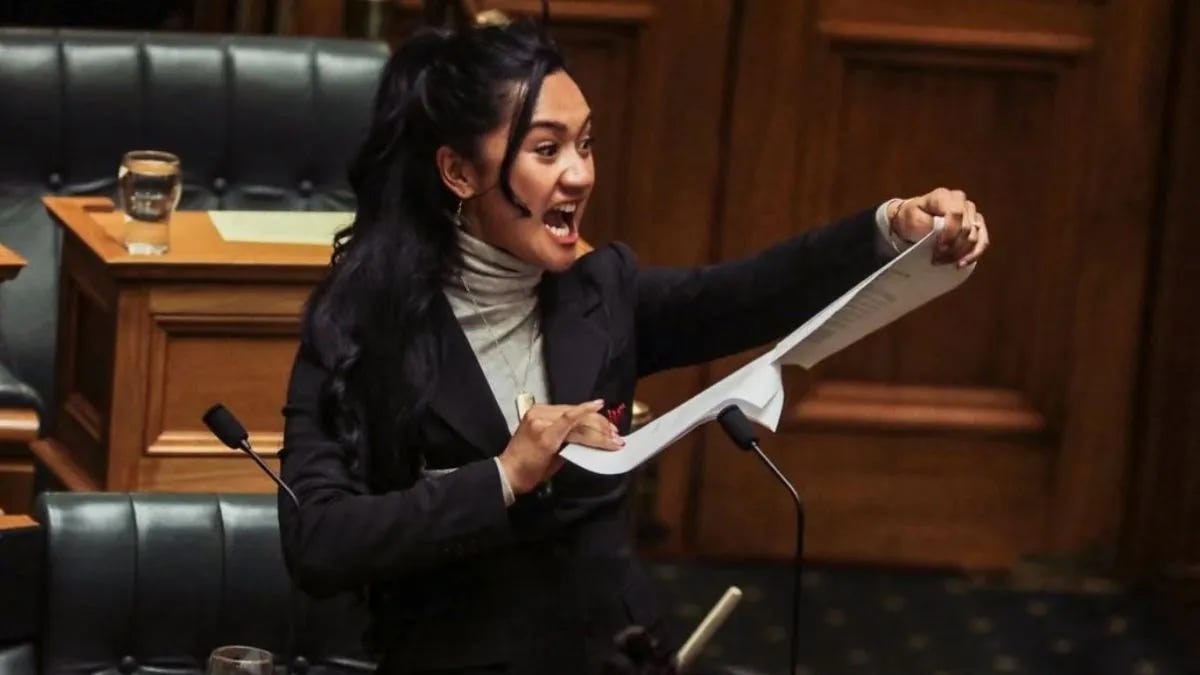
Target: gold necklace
column 525, row 399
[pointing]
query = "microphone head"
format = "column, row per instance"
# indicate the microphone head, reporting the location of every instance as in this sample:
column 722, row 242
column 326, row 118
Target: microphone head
column 638, row 652
column 225, row 426
column 739, row 429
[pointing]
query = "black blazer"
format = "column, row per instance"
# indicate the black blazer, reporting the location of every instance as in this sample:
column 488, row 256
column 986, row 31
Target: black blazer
column 456, row 579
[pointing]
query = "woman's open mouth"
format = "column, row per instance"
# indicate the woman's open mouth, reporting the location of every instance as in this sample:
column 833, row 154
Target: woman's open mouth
column 559, row 221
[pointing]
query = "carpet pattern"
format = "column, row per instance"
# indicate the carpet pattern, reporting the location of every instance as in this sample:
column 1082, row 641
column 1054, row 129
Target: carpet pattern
column 866, row 621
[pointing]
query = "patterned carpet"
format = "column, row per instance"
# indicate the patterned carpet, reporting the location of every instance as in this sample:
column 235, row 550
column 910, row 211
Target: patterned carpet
column 865, row 621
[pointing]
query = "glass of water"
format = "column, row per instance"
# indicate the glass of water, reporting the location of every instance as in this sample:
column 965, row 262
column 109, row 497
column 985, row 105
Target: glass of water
column 149, row 184
column 240, row 660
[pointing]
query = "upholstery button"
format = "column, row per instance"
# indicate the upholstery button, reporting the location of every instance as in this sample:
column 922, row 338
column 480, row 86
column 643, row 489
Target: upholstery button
column 300, row 665
column 127, row 665
column 55, row 181
column 219, row 184
column 306, row 187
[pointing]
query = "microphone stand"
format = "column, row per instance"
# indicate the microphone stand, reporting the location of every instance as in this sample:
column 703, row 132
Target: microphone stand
column 298, row 611
column 222, row 423
column 733, row 421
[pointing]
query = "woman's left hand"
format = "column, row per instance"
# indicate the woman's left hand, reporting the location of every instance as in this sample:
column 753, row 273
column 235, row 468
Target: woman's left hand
column 964, row 237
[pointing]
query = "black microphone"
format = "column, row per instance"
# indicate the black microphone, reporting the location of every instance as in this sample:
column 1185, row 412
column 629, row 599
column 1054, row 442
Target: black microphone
column 230, row 431
column 742, row 433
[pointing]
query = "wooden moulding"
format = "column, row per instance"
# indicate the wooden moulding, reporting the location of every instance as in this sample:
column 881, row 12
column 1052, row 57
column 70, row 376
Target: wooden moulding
column 868, row 405
column 16, row 522
column 18, row 425
column 58, row 460
column 947, row 37
column 565, row 10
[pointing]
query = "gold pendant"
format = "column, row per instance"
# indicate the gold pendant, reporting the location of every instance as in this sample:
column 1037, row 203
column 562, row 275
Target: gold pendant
column 525, row 401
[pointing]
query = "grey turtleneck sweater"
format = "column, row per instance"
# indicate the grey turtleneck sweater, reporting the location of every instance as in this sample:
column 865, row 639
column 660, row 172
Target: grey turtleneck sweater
column 499, row 315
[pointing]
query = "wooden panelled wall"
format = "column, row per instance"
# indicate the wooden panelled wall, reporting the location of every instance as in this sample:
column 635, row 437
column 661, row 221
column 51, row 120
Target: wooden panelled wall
column 1163, row 533
column 996, row 422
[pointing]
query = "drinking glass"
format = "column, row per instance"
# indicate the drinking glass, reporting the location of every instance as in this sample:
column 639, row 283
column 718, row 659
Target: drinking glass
column 149, row 184
column 240, row 660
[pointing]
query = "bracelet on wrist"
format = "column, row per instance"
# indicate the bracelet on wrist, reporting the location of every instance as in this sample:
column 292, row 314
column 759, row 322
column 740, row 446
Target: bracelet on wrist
column 892, row 220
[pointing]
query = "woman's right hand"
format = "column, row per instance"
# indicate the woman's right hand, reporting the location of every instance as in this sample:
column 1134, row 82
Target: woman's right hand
column 532, row 454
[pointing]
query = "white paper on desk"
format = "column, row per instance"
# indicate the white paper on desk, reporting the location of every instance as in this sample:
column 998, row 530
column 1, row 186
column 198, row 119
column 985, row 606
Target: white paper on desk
column 280, row 227
column 907, row 282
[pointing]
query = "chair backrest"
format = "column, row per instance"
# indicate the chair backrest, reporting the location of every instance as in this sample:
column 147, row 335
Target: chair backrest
column 259, row 123
column 153, row 582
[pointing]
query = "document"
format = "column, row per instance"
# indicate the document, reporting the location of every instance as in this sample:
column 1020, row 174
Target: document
column 905, row 283
column 280, row 227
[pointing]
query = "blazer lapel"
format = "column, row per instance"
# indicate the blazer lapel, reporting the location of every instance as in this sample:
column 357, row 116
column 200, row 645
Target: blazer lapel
column 574, row 336
column 462, row 397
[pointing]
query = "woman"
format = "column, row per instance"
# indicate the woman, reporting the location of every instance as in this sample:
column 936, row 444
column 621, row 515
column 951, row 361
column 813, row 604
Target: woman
column 457, row 343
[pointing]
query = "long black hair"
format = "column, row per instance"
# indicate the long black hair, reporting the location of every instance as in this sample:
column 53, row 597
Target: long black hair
column 368, row 323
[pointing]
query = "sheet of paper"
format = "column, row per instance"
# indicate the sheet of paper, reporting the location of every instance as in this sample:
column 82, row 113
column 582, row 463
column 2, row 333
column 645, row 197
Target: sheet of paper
column 280, row 227
column 905, row 283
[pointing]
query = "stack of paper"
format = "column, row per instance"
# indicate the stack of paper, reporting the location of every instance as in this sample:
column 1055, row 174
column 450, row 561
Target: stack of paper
column 907, row 282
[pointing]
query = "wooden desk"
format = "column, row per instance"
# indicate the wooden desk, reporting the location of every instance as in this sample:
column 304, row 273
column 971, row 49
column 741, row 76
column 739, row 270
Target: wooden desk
column 10, row 263
column 17, row 427
column 147, row 343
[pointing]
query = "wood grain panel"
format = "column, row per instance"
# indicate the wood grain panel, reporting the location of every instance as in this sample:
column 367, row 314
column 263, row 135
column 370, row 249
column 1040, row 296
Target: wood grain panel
column 1162, row 536
column 871, row 405
column 131, row 386
column 590, row 11
column 246, row 372
column 1126, row 109
column 84, row 362
column 975, row 39
column 843, row 103
column 233, row 473
column 219, row 343
column 1014, row 17
column 93, row 330
column 16, row 486
column 899, row 498
column 316, row 17
column 203, row 302
column 1004, row 116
